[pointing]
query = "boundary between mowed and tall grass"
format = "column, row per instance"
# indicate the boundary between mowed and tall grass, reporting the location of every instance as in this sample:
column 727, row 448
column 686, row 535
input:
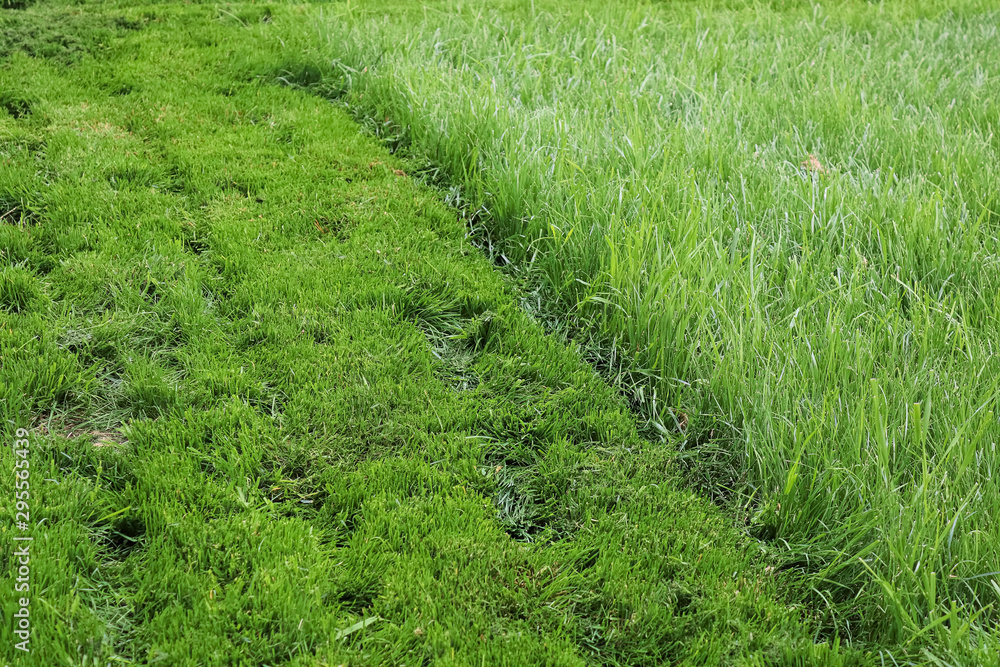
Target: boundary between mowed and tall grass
column 420, row 89
column 275, row 394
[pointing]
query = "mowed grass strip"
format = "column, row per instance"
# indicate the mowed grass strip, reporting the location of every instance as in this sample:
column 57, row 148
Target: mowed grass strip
column 784, row 217
column 282, row 412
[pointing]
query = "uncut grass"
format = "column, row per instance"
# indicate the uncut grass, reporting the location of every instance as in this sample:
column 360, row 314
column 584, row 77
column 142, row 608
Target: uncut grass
column 786, row 214
column 283, row 412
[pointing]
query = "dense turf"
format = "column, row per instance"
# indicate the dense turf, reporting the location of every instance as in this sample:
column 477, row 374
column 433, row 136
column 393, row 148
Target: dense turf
column 283, row 412
column 785, row 214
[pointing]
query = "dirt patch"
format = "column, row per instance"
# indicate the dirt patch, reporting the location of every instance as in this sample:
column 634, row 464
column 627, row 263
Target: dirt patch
column 74, row 431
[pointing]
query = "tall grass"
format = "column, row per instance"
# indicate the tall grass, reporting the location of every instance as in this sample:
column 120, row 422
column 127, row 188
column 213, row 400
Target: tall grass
column 788, row 215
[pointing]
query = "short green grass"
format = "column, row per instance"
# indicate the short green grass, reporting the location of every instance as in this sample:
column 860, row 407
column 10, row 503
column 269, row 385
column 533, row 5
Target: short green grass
column 784, row 216
column 283, row 412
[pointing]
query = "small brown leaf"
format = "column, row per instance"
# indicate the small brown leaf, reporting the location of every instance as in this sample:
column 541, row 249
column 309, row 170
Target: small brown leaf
column 812, row 164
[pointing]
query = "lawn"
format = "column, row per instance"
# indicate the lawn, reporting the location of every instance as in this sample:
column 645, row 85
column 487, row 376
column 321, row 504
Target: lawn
column 281, row 409
column 776, row 224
